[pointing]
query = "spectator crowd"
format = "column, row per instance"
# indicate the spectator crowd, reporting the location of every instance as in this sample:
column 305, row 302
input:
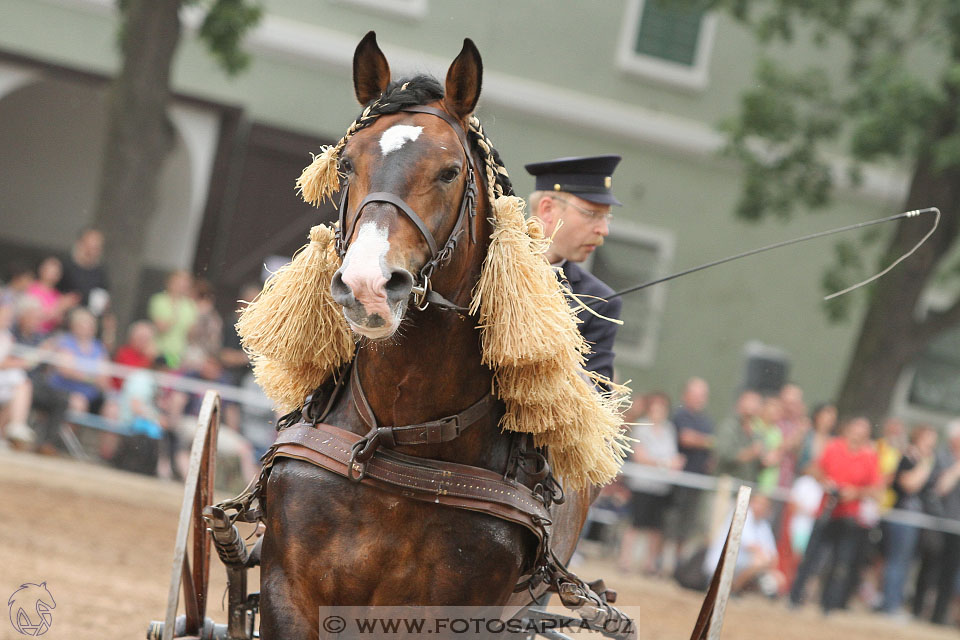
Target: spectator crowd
column 822, row 485
column 62, row 306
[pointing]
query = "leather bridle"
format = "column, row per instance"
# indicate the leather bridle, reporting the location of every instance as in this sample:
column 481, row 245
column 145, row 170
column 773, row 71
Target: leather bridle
column 422, row 290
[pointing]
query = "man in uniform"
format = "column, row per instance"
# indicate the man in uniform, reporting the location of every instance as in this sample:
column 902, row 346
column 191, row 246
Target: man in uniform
column 573, row 199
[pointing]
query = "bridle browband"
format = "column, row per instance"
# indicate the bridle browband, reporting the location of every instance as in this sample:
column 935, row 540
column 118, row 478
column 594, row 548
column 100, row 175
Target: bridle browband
column 422, row 290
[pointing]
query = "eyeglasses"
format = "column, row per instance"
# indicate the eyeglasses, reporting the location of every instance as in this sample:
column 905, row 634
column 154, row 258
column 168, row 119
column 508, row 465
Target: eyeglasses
column 593, row 215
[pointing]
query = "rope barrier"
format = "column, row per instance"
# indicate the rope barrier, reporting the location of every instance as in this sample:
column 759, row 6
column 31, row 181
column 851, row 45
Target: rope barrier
column 231, row 393
column 35, row 355
column 705, row 482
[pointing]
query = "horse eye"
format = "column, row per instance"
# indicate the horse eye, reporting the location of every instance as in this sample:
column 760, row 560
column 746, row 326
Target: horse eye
column 450, row 174
column 345, row 165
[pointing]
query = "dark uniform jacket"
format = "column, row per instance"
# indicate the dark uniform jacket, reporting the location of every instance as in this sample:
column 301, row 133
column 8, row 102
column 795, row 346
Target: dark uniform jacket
column 598, row 333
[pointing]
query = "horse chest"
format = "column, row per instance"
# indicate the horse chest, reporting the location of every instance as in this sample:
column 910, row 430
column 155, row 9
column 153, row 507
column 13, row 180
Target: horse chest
column 356, row 545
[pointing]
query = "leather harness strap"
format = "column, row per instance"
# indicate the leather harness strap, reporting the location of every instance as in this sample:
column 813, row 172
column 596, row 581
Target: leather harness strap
column 397, row 201
column 430, row 432
column 435, row 481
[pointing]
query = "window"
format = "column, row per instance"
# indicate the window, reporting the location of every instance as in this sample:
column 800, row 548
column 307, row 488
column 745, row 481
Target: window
column 928, row 390
column 669, row 32
column 668, row 41
column 415, row 9
column 631, row 255
column 935, row 385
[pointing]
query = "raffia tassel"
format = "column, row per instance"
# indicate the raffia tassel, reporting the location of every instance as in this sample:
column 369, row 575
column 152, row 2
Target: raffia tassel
column 285, row 385
column 564, row 393
column 555, row 418
column 580, row 415
column 295, row 319
column 544, row 383
column 320, row 178
column 523, row 315
column 583, row 430
column 535, row 228
column 588, row 463
column 608, row 426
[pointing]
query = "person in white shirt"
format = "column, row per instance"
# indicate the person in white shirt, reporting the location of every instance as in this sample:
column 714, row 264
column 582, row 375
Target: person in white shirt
column 757, row 561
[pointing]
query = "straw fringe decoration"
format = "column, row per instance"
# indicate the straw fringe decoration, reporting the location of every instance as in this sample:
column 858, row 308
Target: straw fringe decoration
column 535, row 384
column 529, row 337
column 521, row 310
column 295, row 322
column 287, row 385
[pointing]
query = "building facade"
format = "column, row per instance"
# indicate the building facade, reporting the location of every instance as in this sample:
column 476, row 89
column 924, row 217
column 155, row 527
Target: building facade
column 560, row 78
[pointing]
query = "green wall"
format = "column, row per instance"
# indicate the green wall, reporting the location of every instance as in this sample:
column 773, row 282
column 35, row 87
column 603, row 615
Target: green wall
column 708, row 317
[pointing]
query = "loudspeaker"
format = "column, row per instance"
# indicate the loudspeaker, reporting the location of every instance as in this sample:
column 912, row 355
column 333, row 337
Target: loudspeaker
column 766, row 368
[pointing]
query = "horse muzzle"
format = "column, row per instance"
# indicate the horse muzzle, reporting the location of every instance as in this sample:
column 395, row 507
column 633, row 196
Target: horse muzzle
column 373, row 303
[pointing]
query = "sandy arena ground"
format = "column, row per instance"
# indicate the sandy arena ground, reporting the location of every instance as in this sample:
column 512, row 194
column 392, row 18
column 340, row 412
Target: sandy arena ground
column 103, row 541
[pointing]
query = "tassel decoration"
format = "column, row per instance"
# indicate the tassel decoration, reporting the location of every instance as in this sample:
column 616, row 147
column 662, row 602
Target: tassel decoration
column 287, row 385
column 320, row 179
column 295, row 321
column 522, row 313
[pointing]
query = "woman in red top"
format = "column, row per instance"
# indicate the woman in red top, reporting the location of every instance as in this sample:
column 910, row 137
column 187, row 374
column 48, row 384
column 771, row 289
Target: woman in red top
column 849, row 472
column 140, row 350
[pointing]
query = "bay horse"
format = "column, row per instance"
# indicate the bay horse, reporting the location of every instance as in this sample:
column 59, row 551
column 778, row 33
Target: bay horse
column 330, row 541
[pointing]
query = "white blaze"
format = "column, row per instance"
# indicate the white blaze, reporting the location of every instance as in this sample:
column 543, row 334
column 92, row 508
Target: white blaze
column 367, row 251
column 363, row 273
column 397, row 136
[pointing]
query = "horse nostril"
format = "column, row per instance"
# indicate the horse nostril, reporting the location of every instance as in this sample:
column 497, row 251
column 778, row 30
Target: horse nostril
column 399, row 285
column 341, row 292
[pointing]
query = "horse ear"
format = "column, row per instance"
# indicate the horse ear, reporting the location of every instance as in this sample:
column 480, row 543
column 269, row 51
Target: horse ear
column 371, row 73
column 463, row 81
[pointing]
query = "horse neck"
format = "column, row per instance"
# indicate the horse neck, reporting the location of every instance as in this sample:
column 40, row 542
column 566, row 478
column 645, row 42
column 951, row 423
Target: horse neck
column 432, row 371
column 434, row 368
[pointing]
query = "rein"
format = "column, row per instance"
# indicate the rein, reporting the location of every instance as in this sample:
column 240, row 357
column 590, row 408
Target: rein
column 422, row 290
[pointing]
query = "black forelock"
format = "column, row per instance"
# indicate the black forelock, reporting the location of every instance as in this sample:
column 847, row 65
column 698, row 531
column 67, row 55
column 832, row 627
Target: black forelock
column 406, row 92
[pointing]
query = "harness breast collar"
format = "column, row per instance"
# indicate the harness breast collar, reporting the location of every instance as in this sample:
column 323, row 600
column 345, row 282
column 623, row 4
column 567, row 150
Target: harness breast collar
column 432, row 432
column 422, row 290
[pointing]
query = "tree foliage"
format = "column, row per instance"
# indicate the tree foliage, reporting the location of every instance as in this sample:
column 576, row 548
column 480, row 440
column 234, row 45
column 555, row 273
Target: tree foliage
column 881, row 87
column 889, row 71
column 223, row 28
column 224, row 25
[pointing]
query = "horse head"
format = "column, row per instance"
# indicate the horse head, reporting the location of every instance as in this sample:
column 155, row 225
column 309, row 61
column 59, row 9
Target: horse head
column 409, row 196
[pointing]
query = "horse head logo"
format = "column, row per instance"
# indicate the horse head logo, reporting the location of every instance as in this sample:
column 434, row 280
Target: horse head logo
column 30, row 607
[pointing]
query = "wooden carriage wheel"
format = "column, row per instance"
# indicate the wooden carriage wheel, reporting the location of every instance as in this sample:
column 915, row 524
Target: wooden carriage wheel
column 710, row 621
column 191, row 555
